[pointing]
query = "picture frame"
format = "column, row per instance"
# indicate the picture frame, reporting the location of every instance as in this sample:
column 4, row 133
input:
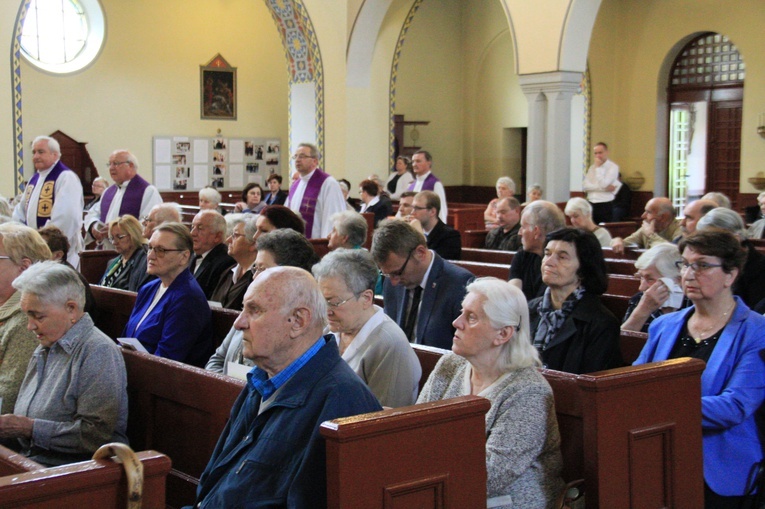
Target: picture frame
column 217, row 90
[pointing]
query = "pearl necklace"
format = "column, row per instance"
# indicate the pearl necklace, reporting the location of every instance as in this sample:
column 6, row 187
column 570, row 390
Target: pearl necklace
column 701, row 336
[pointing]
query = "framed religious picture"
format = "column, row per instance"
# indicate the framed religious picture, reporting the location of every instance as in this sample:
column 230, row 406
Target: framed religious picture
column 218, row 89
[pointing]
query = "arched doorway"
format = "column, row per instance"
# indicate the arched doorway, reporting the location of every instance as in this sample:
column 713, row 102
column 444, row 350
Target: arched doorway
column 705, row 94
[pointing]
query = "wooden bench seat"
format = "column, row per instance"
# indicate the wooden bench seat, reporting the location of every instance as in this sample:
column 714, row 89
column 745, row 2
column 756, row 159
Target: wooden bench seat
column 93, row 263
column 472, row 254
column 95, row 483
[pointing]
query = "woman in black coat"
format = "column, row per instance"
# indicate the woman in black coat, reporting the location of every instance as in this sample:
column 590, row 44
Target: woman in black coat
column 571, row 328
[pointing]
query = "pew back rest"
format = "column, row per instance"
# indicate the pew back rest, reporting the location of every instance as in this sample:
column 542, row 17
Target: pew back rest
column 481, row 269
column 474, row 238
column 12, row 462
column 95, row 483
column 93, row 263
column 179, row 410
column 471, row 254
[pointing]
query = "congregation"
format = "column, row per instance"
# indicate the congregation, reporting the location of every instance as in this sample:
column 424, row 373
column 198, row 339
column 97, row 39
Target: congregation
column 321, row 337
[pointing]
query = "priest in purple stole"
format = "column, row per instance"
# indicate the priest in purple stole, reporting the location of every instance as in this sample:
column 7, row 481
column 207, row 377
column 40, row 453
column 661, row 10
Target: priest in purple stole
column 315, row 195
column 53, row 195
column 426, row 181
column 130, row 194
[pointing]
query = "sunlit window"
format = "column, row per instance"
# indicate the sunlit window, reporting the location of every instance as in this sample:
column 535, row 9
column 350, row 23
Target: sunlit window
column 62, row 35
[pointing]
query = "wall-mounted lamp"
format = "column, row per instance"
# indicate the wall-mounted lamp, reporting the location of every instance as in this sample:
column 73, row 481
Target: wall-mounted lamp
column 761, row 124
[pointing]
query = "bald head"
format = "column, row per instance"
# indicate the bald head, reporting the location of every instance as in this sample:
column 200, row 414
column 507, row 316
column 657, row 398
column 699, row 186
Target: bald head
column 660, row 212
column 695, row 211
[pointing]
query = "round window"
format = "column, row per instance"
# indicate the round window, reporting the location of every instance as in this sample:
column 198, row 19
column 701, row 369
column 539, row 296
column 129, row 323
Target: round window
column 62, row 36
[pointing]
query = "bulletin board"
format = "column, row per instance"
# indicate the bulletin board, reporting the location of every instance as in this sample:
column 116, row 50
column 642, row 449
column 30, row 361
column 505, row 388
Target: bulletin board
column 184, row 163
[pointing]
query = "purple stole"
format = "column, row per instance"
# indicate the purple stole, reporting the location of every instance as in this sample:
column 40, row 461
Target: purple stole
column 428, row 185
column 131, row 200
column 45, row 201
column 310, row 197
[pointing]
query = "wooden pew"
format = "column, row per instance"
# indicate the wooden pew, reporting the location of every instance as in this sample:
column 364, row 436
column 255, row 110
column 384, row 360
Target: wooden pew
column 12, row 462
column 472, row 254
column 617, row 304
column 426, row 456
column 463, row 219
column 628, row 254
column 480, row 269
column 620, row 266
column 631, row 344
column 321, row 246
column 624, row 432
column 93, row 263
column 621, row 229
column 474, row 238
column 619, row 284
column 114, row 307
column 95, row 483
column 179, row 410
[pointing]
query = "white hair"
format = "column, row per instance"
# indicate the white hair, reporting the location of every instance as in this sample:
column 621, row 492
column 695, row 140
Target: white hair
column 53, row 144
column 662, row 256
column 724, row 218
column 210, row 194
column 53, row 283
column 505, row 305
column 508, row 182
column 579, row 205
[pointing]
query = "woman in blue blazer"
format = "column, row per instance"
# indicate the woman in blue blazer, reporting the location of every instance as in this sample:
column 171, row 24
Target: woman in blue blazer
column 721, row 330
column 171, row 317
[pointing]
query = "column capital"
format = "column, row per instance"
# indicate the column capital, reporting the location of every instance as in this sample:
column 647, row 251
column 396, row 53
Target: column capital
column 550, row 82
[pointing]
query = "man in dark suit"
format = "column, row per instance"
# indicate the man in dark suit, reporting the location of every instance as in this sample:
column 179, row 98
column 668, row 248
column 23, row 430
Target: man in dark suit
column 211, row 259
column 275, row 196
column 372, row 202
column 422, row 292
column 443, row 239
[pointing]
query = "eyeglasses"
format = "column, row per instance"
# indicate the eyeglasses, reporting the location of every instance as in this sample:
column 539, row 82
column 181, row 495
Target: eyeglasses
column 302, row 156
column 415, row 207
column 146, row 219
column 335, row 305
column 402, row 269
column 116, row 163
column 235, row 235
column 117, row 237
column 698, row 267
column 5, row 257
column 161, row 251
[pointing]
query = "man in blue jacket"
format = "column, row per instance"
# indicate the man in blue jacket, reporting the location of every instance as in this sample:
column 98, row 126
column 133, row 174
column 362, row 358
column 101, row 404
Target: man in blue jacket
column 271, row 454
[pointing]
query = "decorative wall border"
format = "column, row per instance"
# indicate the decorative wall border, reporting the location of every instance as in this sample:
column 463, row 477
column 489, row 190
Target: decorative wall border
column 394, row 77
column 303, row 54
column 18, row 128
column 586, row 91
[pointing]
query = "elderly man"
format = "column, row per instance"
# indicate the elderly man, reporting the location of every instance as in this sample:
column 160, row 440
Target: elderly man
column 163, row 213
column 538, row 219
column 442, row 239
column 424, row 180
column 315, row 195
column 422, row 292
column 691, row 215
column 210, row 260
column 602, row 184
column 54, row 195
column 659, row 225
column 505, row 236
column 130, row 194
column 271, row 449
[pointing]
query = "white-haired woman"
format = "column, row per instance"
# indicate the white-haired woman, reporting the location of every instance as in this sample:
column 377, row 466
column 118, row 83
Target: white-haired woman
column 74, row 395
column 241, row 247
column 505, row 189
column 579, row 211
column 660, row 290
column 372, row 344
column 209, row 199
column 533, row 193
column 493, row 357
column 349, row 230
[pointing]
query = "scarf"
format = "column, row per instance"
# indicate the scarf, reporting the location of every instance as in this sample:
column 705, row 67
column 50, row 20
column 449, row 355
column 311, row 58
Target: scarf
column 550, row 319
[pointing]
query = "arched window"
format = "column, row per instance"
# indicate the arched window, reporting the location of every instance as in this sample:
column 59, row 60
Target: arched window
column 62, row 36
column 709, row 60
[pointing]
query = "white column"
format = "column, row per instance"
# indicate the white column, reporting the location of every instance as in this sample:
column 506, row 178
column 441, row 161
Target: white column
column 549, row 131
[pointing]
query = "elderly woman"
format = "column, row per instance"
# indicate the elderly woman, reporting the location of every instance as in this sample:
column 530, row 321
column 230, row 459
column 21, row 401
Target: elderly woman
column 505, row 189
column 492, row 357
column 241, row 247
column 723, row 332
column 400, row 178
column 284, row 247
column 660, row 290
column 533, row 193
column 20, row 246
column 128, row 270
column 74, row 395
column 171, row 317
column 372, row 344
column 579, row 211
column 252, row 199
column 276, row 217
column 349, row 230
column 750, row 285
column 209, row 199
column 571, row 328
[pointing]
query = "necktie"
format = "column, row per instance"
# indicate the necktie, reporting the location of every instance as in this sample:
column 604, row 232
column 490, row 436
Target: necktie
column 411, row 317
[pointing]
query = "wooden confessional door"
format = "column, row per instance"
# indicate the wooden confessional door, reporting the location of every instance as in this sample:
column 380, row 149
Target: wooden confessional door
column 724, row 149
